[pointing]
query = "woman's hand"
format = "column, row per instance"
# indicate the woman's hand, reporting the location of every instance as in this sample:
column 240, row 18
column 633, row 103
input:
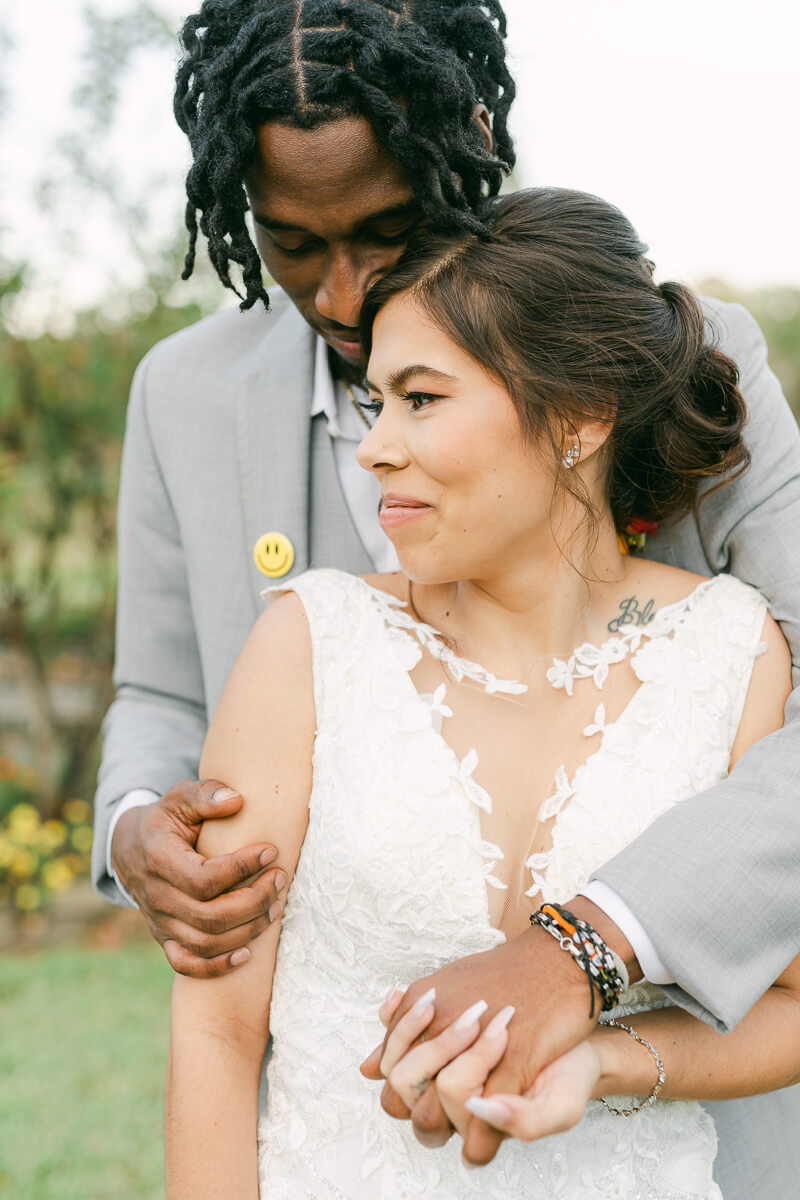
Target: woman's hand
column 556, row 1101
column 459, row 1058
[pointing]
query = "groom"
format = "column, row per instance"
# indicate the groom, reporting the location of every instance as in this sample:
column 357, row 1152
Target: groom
column 345, row 126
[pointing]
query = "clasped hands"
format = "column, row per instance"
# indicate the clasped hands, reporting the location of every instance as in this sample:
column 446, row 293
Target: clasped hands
column 537, row 1068
column 524, row 1069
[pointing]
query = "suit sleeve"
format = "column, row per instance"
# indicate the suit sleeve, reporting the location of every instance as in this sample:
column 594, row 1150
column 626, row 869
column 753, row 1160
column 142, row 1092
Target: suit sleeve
column 153, row 733
column 716, row 881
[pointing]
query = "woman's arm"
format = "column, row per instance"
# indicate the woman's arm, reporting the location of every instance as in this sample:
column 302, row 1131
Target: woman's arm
column 261, row 743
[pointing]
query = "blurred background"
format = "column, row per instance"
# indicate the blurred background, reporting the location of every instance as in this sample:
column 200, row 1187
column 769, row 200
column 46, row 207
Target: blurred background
column 685, row 115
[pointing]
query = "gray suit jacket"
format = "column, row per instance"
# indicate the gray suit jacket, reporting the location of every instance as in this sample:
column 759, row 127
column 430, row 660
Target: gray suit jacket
column 219, row 449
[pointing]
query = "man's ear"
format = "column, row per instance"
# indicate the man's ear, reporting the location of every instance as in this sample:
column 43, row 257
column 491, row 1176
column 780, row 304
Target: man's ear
column 482, row 119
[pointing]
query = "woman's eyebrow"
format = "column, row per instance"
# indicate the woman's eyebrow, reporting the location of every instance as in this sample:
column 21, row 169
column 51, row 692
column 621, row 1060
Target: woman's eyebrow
column 397, row 380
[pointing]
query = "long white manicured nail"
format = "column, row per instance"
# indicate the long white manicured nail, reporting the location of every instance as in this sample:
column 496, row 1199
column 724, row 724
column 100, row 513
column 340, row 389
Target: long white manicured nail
column 469, row 1017
column 393, row 991
column 424, row 1002
column 488, row 1110
column 499, row 1022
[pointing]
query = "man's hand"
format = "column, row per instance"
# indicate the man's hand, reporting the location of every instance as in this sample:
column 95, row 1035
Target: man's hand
column 551, row 997
column 202, row 924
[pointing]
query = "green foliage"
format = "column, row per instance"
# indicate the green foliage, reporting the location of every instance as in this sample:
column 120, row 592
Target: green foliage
column 83, row 1043
column 62, row 417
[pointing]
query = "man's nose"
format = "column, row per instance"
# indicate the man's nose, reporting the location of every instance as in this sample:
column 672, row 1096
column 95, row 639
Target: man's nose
column 342, row 289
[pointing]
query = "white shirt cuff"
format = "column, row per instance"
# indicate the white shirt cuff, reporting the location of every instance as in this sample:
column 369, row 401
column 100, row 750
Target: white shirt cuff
column 606, row 898
column 135, row 799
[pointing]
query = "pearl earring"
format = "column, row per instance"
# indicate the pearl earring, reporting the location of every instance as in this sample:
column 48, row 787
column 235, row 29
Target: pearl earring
column 571, row 457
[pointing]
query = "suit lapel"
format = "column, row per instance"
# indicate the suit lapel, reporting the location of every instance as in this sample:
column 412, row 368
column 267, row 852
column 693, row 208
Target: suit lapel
column 273, row 429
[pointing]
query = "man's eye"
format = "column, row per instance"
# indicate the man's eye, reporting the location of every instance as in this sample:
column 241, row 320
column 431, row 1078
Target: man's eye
column 303, row 247
column 393, row 239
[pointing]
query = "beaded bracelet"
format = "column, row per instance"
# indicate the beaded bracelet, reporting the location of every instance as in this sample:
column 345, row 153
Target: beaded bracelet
column 662, row 1077
column 604, row 969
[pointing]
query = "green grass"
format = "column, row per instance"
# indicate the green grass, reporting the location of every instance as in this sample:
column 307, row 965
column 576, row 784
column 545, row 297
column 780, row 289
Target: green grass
column 83, row 1043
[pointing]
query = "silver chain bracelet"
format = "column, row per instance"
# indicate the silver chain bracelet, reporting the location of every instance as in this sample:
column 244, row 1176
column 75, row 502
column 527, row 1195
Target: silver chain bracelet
column 651, row 1099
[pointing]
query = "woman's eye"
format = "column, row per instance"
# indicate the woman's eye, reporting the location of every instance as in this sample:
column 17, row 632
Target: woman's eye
column 419, row 400
column 371, row 406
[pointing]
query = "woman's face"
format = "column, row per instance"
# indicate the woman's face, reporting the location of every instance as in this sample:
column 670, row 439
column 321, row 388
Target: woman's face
column 464, row 495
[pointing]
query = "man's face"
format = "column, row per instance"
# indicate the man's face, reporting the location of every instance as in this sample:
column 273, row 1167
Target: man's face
column 333, row 211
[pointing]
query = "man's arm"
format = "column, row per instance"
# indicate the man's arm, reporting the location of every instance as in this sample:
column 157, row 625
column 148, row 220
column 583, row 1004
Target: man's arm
column 154, row 734
column 715, row 881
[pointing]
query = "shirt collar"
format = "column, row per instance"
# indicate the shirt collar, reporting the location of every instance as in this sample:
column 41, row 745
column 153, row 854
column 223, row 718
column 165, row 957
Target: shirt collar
column 342, row 420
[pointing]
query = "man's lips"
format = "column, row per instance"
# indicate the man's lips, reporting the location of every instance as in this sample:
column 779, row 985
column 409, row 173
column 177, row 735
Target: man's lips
column 348, row 345
column 397, row 509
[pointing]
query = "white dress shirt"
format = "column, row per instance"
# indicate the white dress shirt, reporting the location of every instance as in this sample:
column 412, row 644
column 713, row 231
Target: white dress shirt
column 361, row 491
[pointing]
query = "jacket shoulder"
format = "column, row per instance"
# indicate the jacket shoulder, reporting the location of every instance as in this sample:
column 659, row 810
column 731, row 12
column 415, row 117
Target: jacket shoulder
column 228, row 343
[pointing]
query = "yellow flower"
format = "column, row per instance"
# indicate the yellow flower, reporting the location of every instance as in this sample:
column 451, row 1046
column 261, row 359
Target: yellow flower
column 77, row 812
column 23, row 816
column 24, row 864
column 57, row 875
column 81, row 838
column 52, row 835
column 27, row 897
column 7, row 851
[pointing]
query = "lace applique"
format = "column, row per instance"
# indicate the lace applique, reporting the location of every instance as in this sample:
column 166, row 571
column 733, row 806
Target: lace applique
column 431, row 640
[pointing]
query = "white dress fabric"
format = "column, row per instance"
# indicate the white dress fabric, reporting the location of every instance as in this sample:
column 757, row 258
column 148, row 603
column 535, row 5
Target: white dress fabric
column 391, row 885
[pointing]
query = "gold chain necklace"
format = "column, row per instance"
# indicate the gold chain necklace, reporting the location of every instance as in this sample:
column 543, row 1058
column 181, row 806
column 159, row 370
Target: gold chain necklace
column 352, row 398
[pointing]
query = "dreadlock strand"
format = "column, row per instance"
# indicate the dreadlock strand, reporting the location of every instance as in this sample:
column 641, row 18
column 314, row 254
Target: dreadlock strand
column 305, row 62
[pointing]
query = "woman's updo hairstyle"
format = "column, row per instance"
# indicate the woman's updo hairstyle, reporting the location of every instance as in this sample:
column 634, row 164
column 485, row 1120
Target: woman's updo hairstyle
column 561, row 307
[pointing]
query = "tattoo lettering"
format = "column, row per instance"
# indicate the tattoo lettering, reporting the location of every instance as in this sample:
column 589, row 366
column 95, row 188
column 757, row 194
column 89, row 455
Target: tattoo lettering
column 631, row 614
column 423, row 1085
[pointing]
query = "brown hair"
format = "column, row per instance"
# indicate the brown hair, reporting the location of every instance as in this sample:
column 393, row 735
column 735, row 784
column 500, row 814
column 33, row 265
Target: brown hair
column 561, row 307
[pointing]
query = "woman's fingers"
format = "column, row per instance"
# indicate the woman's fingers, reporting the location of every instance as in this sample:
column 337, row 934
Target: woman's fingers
column 556, row 1101
column 413, row 1072
column 407, row 1030
column 466, row 1074
column 391, row 1005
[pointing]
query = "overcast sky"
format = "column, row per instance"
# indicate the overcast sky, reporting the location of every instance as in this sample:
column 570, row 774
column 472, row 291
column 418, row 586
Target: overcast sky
column 683, row 112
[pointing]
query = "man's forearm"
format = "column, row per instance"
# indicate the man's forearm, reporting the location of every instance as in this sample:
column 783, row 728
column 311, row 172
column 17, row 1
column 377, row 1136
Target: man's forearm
column 150, row 742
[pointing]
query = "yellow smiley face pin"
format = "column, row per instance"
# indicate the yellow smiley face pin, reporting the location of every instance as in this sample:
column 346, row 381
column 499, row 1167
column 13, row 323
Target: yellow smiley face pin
column 273, row 554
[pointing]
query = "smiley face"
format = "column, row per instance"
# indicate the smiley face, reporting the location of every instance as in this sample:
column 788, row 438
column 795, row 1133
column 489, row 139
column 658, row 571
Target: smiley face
column 273, row 554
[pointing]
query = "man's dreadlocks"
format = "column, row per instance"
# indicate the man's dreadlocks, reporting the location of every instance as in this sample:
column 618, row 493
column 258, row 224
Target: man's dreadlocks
column 414, row 68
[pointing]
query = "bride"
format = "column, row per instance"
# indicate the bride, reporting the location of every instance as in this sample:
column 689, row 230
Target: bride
column 440, row 752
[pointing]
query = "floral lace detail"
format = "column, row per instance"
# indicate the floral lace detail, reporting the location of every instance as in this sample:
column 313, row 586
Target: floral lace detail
column 680, row 652
column 460, row 668
column 392, row 885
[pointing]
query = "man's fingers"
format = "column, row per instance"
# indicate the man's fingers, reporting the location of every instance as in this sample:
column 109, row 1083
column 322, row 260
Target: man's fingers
column 392, row 1104
column 196, row 802
column 431, row 1124
column 371, row 1066
column 192, row 965
column 230, row 910
column 206, row 878
column 206, row 945
column 483, row 1140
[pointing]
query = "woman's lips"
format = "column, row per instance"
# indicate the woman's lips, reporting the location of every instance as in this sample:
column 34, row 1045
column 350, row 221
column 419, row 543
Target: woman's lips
column 397, row 509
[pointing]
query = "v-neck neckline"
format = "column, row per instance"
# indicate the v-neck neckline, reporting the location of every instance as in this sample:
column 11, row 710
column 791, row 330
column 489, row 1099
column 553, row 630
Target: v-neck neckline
column 393, row 612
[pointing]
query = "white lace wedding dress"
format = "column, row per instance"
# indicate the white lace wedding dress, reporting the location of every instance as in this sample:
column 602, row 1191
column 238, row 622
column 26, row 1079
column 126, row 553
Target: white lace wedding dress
column 392, row 884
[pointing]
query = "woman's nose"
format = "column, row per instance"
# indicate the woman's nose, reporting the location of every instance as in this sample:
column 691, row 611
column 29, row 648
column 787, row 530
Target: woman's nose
column 381, row 450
